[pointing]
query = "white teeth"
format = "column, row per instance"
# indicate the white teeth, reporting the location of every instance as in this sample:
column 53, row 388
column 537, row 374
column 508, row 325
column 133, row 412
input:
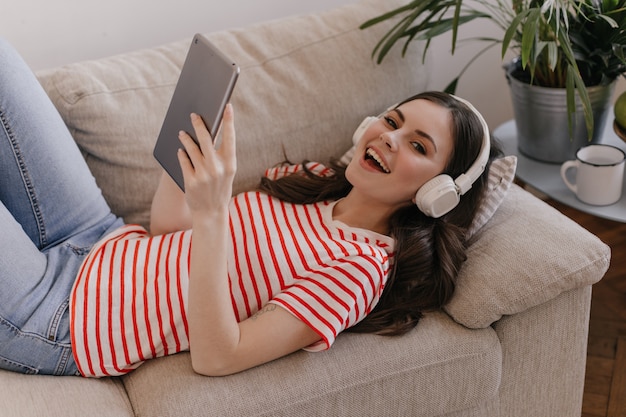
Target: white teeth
column 378, row 159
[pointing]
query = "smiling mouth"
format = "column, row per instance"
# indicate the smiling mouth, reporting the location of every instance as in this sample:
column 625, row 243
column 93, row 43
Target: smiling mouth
column 374, row 160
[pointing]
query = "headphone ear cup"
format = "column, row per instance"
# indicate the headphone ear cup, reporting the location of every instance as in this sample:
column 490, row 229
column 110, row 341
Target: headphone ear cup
column 358, row 133
column 438, row 196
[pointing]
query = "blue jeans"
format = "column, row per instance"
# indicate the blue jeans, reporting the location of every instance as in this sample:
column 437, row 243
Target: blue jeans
column 51, row 214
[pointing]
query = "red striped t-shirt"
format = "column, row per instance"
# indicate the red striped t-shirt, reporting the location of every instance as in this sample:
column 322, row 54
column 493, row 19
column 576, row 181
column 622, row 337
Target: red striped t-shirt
column 129, row 301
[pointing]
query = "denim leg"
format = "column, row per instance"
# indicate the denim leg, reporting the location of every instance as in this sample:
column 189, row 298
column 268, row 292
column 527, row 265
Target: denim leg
column 51, row 213
column 34, row 320
column 35, row 290
column 44, row 180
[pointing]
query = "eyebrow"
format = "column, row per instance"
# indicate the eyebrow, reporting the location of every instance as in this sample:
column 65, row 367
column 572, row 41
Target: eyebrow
column 419, row 132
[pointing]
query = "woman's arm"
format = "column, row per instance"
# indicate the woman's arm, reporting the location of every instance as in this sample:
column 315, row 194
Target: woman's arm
column 220, row 345
column 169, row 211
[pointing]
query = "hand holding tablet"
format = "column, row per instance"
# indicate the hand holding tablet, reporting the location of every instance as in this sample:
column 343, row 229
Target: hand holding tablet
column 204, row 87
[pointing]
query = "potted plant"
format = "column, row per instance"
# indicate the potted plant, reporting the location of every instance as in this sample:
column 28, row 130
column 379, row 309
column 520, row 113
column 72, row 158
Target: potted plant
column 569, row 45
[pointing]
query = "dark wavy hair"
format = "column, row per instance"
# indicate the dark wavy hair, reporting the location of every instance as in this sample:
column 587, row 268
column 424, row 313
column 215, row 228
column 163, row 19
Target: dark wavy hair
column 429, row 252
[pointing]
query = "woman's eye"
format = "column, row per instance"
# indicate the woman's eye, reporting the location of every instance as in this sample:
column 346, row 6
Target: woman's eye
column 419, row 147
column 391, row 122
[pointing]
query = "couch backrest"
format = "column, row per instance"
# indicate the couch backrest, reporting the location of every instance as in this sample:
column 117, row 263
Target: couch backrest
column 306, row 82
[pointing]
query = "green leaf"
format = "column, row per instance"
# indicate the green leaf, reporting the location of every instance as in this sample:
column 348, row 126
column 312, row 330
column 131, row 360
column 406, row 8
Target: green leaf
column 571, row 101
column 445, row 25
column 552, row 53
column 529, row 33
column 451, row 88
column 610, row 21
column 455, row 25
column 398, row 31
column 512, row 31
column 583, row 95
column 574, row 85
column 389, row 15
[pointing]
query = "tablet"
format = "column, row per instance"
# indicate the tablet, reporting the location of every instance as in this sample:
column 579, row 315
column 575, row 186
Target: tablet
column 204, row 87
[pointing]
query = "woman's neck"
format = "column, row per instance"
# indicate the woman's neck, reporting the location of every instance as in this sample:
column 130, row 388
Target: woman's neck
column 357, row 212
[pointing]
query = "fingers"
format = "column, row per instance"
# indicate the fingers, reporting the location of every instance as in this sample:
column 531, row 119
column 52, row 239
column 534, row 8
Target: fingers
column 204, row 145
column 202, row 133
column 203, row 153
column 184, row 159
column 228, row 148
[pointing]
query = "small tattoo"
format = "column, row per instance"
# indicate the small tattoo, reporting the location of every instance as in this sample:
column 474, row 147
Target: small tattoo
column 268, row 308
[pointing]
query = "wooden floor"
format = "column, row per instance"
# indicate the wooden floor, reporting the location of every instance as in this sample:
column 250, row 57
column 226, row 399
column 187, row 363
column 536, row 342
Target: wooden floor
column 605, row 381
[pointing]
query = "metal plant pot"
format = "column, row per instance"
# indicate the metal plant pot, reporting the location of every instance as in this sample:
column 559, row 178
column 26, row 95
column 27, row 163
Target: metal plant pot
column 541, row 119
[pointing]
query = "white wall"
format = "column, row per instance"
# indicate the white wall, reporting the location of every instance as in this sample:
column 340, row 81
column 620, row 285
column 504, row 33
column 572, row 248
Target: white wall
column 49, row 33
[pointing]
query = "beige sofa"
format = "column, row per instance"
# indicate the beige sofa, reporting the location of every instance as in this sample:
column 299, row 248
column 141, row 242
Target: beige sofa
column 513, row 340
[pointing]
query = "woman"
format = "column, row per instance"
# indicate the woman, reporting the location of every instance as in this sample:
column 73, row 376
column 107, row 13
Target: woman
column 270, row 271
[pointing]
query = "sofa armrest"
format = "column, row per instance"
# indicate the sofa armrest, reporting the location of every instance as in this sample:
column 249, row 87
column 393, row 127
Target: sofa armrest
column 544, row 350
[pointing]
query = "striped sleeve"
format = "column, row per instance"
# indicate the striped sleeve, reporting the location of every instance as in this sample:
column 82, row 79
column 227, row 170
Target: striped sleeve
column 284, row 170
column 335, row 296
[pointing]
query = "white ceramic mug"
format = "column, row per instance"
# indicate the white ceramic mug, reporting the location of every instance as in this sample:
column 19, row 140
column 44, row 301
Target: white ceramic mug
column 599, row 174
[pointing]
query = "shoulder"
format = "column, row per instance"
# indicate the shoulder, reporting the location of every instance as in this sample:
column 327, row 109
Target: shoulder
column 286, row 169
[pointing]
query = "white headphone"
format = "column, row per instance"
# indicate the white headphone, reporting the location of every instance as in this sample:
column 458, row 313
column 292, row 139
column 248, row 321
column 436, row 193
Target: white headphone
column 441, row 194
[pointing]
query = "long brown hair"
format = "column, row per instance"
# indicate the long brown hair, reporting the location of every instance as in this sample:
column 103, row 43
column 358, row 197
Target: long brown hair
column 429, row 252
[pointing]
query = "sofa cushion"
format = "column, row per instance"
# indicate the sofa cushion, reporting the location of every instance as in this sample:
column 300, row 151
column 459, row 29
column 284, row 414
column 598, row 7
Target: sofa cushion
column 438, row 368
column 501, row 176
column 500, row 276
column 61, row 396
column 309, row 77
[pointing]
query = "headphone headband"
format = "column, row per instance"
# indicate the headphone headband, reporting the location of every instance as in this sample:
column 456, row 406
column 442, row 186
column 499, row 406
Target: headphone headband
column 465, row 181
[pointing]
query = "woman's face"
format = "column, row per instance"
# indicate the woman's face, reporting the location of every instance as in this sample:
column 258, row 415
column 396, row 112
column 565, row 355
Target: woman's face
column 400, row 152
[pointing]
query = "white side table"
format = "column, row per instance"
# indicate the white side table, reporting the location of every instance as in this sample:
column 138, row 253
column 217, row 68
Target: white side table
column 546, row 177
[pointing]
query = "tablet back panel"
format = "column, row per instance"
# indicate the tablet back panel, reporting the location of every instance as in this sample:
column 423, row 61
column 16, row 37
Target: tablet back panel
column 204, row 87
